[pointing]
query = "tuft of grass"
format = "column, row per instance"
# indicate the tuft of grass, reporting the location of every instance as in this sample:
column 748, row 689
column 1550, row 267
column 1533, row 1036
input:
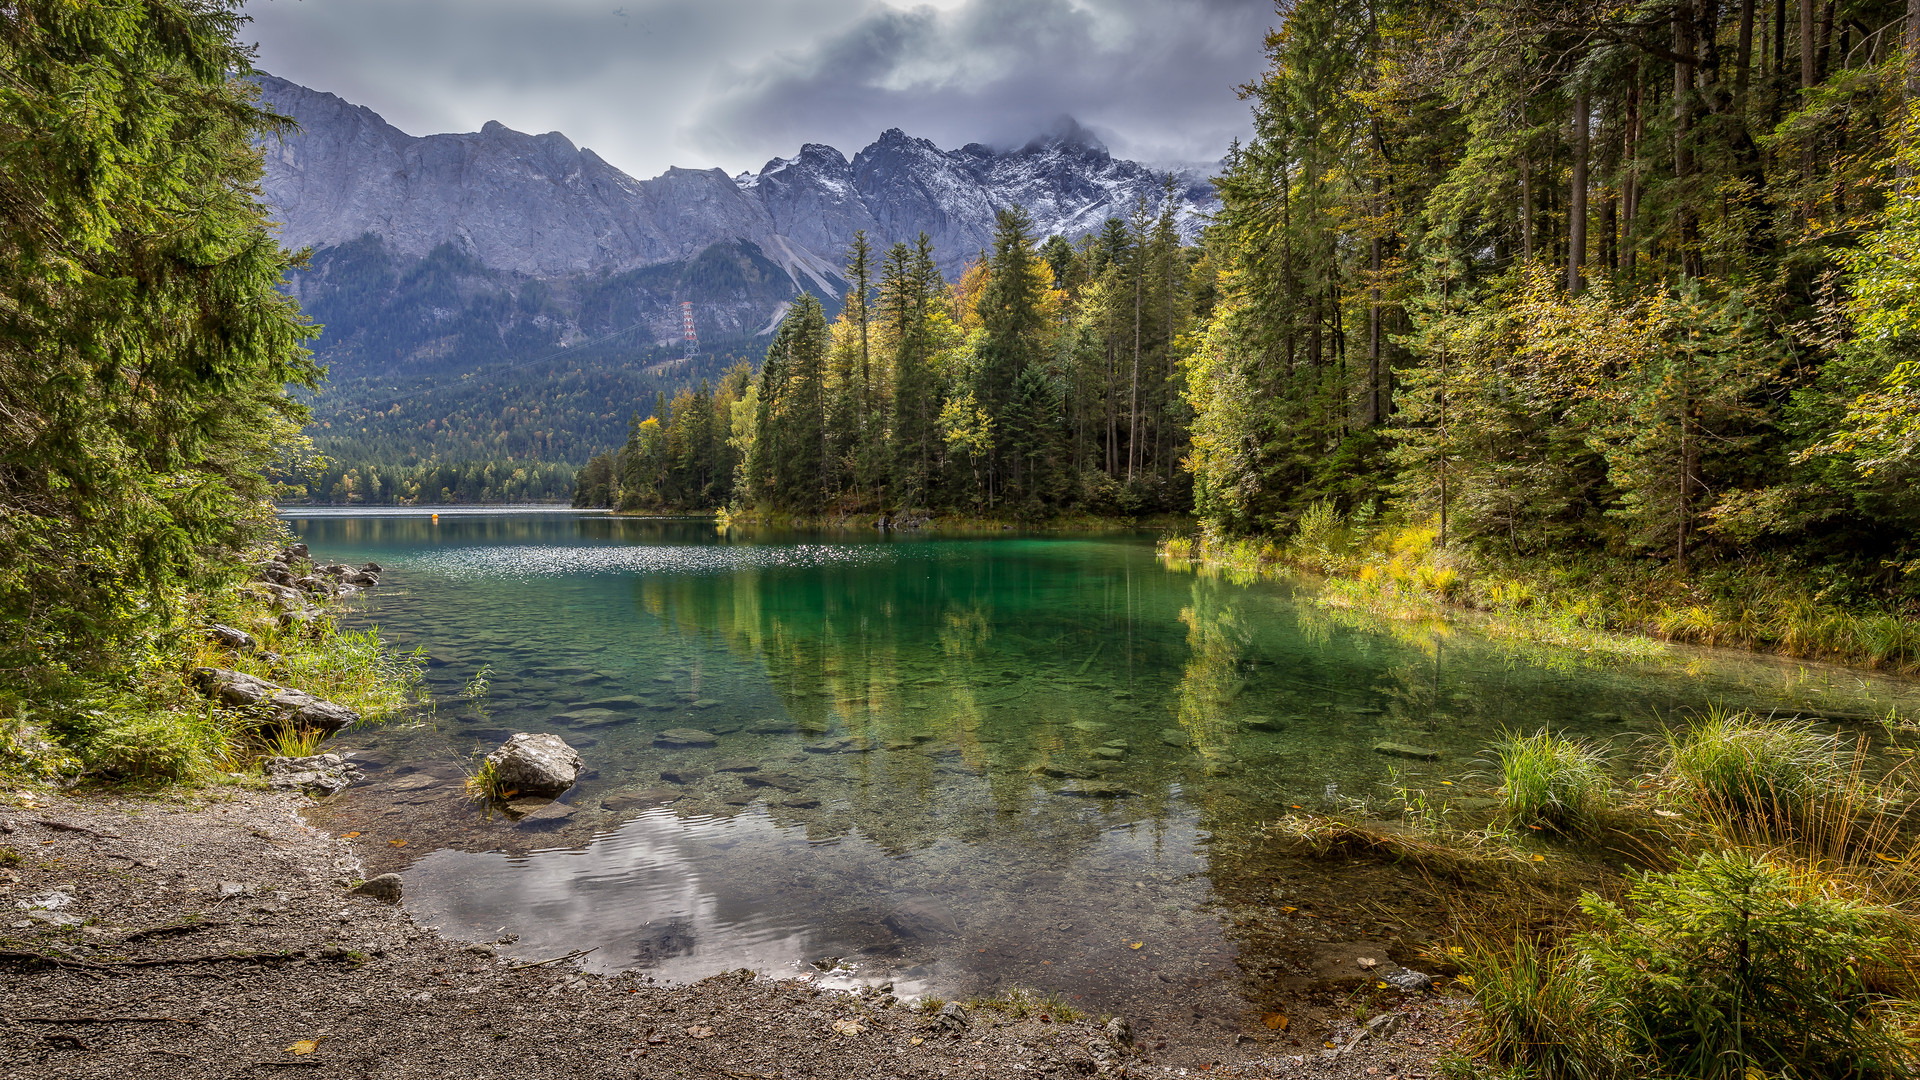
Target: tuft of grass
column 1535, row 1015
column 293, row 741
column 1551, row 781
column 483, row 783
column 1019, row 1004
column 1755, row 777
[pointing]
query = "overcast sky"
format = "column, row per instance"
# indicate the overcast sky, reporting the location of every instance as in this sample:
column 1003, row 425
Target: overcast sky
column 698, row 83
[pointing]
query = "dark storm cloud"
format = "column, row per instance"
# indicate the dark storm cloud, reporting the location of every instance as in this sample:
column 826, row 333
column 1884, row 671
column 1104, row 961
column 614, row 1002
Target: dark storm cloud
column 1154, row 78
column 652, row 83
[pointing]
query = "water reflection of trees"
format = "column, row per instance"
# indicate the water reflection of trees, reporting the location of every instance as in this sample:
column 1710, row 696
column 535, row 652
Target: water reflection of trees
column 977, row 667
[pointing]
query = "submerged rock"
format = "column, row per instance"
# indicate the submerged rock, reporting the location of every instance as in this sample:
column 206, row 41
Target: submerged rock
column 920, row 918
column 683, row 738
column 1175, row 737
column 780, row 781
column 636, row 800
column 536, row 764
column 549, row 816
column 1406, row 750
column 1097, row 789
column 289, row 705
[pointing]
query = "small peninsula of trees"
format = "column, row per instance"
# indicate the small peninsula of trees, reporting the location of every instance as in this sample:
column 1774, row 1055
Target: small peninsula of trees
column 1047, row 378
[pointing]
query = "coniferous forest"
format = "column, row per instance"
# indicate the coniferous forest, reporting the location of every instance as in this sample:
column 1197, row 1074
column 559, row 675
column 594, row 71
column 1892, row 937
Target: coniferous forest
column 1047, row 377
column 1627, row 287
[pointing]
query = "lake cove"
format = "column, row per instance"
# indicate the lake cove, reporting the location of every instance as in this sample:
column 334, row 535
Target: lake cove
column 956, row 765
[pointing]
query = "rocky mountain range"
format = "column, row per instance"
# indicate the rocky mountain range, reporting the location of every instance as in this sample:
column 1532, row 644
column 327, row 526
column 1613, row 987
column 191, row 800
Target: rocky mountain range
column 445, row 251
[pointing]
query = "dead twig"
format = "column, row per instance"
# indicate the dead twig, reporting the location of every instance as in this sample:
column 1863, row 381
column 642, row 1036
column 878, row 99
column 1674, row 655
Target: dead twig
column 98, row 1020
column 168, row 930
column 574, row 955
column 66, row 826
column 156, row 961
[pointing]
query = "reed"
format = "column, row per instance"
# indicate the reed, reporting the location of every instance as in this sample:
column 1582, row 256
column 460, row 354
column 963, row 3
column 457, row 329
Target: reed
column 1550, row 781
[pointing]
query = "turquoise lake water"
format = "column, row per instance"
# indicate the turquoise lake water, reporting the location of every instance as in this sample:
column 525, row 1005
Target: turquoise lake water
column 956, row 764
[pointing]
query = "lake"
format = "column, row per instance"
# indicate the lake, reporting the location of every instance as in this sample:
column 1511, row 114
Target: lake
column 956, row 764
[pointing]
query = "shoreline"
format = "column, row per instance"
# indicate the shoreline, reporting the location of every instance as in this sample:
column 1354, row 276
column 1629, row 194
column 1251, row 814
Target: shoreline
column 1369, row 592
column 132, row 903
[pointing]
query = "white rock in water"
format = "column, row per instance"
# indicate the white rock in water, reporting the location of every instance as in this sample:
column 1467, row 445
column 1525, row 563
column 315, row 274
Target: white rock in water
column 536, row 764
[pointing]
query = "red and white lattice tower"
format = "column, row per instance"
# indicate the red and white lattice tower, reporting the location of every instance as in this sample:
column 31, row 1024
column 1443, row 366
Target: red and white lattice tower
column 687, row 335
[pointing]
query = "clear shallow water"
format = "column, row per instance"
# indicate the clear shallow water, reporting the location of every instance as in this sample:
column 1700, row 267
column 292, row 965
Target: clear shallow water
column 962, row 764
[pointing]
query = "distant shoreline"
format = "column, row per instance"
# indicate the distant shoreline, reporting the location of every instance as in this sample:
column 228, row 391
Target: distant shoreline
column 450, row 510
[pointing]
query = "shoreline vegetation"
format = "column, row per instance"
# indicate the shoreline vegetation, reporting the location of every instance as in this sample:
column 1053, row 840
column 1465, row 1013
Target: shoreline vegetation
column 926, row 521
column 148, row 723
column 1604, row 606
column 1735, row 898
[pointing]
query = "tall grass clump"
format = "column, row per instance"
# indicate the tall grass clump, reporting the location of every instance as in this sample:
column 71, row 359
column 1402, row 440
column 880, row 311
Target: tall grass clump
column 1551, row 781
column 1755, row 777
column 1537, row 1013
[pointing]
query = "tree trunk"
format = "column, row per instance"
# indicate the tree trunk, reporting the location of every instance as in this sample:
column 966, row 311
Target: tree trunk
column 1683, row 44
column 1133, row 409
column 1826, row 40
column 1526, row 209
column 1779, row 38
column 1910, row 45
column 1577, row 205
column 1630, row 183
column 1807, row 74
column 1743, row 59
column 1373, row 335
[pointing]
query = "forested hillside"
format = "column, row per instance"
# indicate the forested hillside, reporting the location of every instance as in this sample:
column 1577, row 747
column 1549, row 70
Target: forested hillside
column 1626, row 292
column 1047, row 377
column 452, row 382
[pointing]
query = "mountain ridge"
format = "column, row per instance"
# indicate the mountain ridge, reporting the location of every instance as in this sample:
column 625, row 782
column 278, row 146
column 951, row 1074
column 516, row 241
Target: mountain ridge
column 539, row 206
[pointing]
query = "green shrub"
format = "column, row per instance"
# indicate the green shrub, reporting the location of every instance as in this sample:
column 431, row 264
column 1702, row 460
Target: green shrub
column 1735, row 964
column 1547, row 780
column 1728, row 968
column 1756, row 776
column 140, row 742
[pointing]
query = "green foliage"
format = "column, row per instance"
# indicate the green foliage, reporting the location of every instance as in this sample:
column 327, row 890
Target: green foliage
column 1734, row 963
column 483, row 783
column 1481, row 267
column 1728, row 967
column 1548, row 780
column 129, row 738
column 145, row 345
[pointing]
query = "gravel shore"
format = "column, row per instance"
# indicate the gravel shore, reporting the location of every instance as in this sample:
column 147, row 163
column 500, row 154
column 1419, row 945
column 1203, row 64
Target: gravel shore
column 216, row 935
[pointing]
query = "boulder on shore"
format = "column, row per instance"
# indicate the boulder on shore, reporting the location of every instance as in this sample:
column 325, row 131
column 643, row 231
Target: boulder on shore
column 289, row 705
column 386, row 888
column 540, row 764
column 232, row 637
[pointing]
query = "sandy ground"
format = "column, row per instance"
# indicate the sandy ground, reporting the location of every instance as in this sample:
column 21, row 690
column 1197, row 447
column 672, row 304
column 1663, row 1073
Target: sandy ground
column 217, row 937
